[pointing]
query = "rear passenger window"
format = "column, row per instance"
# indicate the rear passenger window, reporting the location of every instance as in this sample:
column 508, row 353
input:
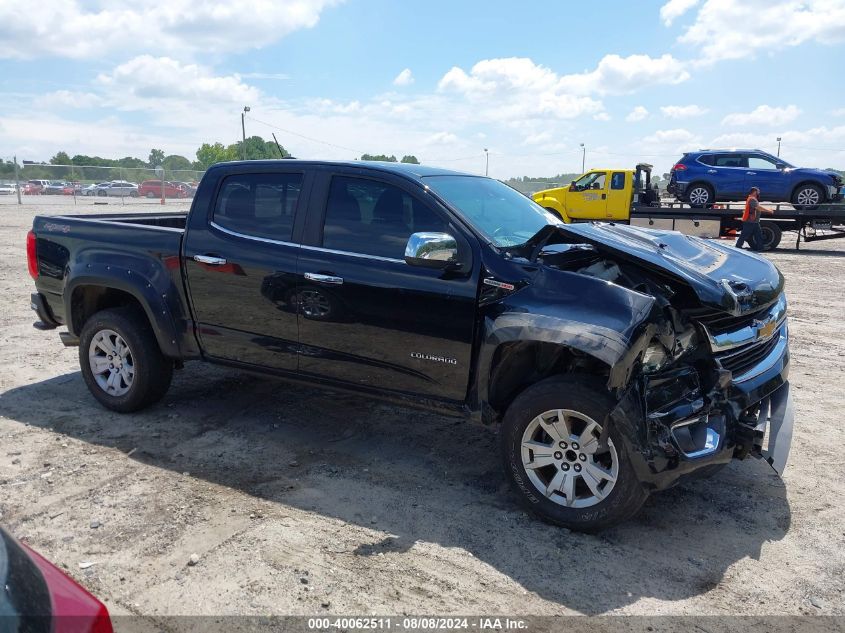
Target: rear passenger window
column 706, row 159
column 617, row 181
column 374, row 218
column 731, row 160
column 259, row 205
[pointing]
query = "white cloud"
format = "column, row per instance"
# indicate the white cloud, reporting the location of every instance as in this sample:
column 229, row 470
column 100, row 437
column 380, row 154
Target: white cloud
column 637, row 114
column 441, row 138
column 733, row 30
column 683, row 112
column 838, row 112
column 162, row 78
column 601, row 116
column 677, row 135
column 763, row 115
column 616, row 75
column 405, row 78
column 68, row 99
column 511, row 90
column 674, row 9
column 273, row 76
column 88, row 29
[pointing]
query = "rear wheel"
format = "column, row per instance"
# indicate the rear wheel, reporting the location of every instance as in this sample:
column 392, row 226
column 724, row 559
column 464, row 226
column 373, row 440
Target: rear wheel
column 150, row 194
column 133, row 193
column 102, row 192
column 808, row 196
column 700, row 195
column 771, row 235
column 554, row 459
column 121, row 361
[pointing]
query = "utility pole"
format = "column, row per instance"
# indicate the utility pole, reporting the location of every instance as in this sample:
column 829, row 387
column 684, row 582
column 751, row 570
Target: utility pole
column 17, row 180
column 486, row 162
column 778, row 147
column 583, row 157
column 243, row 132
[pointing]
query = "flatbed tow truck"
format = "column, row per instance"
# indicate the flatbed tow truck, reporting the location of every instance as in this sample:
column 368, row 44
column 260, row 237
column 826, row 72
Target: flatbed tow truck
column 628, row 197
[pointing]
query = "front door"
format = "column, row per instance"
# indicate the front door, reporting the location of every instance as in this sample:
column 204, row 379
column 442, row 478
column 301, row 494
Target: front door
column 241, row 269
column 587, row 197
column 619, row 195
column 763, row 173
column 365, row 316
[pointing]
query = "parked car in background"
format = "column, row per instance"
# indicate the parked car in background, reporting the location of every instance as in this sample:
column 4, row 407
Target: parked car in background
column 8, row 188
column 707, row 176
column 118, row 188
column 33, row 188
column 152, row 189
column 55, row 188
column 38, row 596
column 91, row 190
column 188, row 188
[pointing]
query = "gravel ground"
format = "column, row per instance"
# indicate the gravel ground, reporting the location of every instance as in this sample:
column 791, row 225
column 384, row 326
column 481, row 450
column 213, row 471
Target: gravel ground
column 301, row 501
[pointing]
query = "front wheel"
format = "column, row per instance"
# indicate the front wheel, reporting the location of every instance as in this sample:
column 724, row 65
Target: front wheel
column 808, row 196
column 556, row 463
column 121, row 361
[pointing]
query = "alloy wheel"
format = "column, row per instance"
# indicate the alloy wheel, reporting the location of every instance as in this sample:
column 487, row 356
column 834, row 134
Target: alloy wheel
column 564, row 460
column 111, row 362
column 808, row 196
column 699, row 195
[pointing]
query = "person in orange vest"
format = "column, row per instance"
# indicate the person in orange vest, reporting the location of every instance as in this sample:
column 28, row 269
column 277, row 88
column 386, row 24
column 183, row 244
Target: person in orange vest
column 751, row 231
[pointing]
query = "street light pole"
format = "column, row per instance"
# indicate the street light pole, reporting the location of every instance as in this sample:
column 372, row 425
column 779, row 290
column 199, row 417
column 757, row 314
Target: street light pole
column 583, row 157
column 486, row 162
column 778, row 147
column 243, row 132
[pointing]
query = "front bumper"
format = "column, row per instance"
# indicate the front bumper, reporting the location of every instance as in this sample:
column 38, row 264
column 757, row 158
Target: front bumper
column 675, row 426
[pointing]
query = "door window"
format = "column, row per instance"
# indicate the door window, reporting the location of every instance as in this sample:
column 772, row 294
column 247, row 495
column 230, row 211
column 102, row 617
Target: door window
column 617, row 181
column 259, row 205
column 758, row 162
column 374, row 218
column 594, row 180
column 731, row 160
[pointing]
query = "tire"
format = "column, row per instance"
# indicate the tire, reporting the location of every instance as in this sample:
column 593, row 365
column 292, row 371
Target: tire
column 150, row 194
column 807, row 196
column 700, row 195
column 133, row 194
column 587, row 402
column 772, row 234
column 102, row 193
column 151, row 372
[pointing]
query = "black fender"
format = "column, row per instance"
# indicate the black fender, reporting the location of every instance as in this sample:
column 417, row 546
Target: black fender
column 605, row 321
column 145, row 279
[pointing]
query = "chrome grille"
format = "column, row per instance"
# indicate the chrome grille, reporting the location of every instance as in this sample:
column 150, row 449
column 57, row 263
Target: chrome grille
column 742, row 359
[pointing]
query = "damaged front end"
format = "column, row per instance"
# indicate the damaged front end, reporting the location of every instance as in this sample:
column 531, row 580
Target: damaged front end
column 704, row 376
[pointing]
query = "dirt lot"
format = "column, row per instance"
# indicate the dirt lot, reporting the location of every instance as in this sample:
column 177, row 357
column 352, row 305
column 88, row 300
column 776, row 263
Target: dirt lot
column 300, row 501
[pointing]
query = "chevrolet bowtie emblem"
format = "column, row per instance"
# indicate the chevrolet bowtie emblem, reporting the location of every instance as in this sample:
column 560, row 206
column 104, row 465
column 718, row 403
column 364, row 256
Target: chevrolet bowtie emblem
column 765, row 330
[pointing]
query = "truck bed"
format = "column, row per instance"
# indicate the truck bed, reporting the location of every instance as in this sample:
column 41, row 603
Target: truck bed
column 159, row 220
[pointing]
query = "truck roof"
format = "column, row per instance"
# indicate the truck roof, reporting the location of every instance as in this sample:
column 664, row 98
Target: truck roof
column 408, row 170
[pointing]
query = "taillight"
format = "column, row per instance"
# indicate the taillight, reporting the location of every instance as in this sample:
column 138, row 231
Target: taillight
column 31, row 257
column 679, row 167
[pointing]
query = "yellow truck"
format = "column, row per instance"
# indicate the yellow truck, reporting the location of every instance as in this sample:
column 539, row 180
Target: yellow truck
column 627, row 196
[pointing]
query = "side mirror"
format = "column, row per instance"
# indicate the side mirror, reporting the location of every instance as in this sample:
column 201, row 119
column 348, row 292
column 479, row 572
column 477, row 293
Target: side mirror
column 572, row 186
column 431, row 250
column 780, row 166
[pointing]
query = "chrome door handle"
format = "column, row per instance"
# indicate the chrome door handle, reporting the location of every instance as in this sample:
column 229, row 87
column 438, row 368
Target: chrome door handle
column 751, row 173
column 711, row 171
column 209, row 259
column 324, row 279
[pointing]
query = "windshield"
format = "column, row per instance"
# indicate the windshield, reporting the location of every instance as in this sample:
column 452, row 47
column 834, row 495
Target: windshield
column 503, row 215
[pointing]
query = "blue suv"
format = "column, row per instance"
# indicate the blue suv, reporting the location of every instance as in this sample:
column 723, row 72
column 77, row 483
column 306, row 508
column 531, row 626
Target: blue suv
column 707, row 176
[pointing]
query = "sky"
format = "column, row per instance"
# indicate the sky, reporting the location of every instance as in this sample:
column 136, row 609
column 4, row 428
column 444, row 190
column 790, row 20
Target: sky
column 443, row 79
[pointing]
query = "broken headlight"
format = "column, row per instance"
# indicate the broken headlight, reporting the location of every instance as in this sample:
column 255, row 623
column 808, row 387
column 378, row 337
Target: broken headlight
column 655, row 357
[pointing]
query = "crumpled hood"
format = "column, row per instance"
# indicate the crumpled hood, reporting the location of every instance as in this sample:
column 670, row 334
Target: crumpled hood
column 722, row 277
column 810, row 172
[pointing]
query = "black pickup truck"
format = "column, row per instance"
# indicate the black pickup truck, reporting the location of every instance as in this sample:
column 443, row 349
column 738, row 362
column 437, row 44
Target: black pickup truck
column 616, row 360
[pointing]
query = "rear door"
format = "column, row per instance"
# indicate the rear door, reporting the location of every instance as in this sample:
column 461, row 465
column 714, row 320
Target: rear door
column 619, row 195
column 727, row 175
column 365, row 316
column 762, row 172
column 241, row 264
column 587, row 197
